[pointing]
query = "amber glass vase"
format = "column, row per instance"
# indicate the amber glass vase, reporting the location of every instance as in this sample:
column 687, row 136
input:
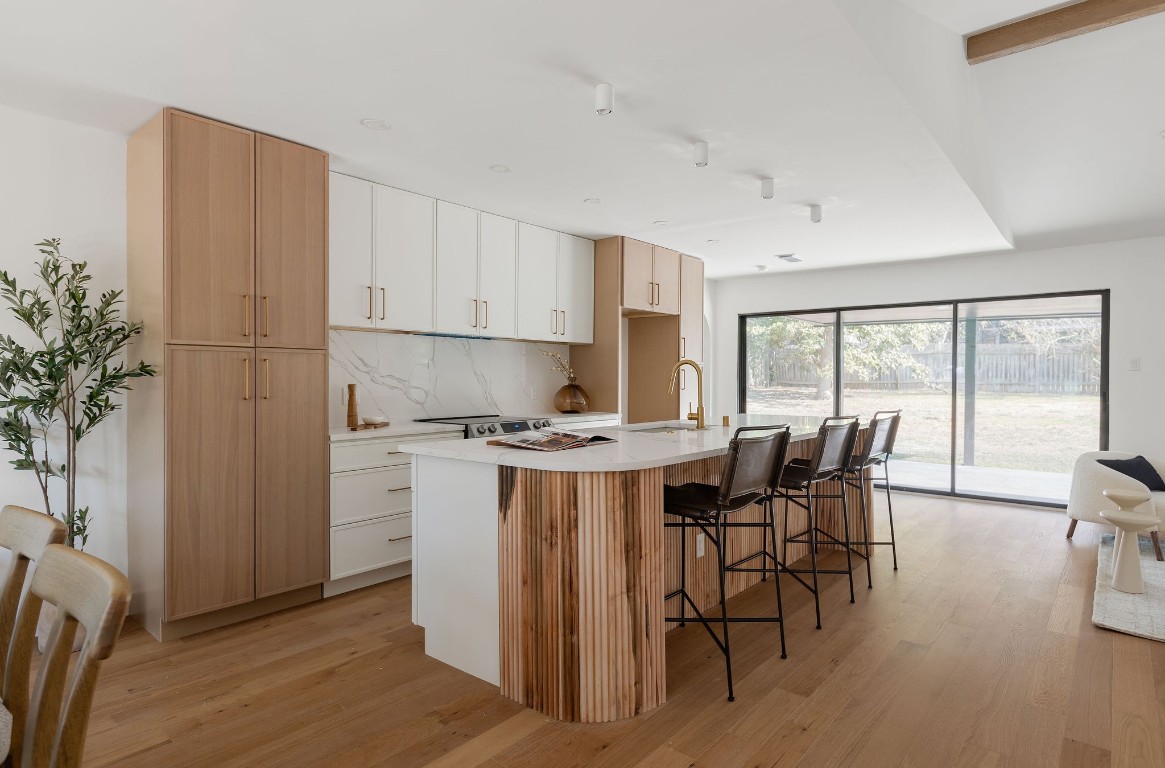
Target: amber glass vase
column 571, row 398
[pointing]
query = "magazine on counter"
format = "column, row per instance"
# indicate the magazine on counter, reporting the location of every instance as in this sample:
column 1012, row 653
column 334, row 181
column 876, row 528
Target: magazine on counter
column 549, row 440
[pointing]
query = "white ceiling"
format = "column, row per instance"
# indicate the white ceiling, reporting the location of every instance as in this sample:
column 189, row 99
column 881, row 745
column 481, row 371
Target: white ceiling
column 968, row 16
column 785, row 88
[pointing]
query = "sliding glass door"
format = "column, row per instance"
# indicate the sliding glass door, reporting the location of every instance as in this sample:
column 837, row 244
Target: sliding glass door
column 1029, row 388
column 899, row 358
column 998, row 396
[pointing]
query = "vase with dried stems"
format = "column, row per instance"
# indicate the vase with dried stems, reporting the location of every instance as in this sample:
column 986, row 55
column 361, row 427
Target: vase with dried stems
column 570, row 397
column 56, row 389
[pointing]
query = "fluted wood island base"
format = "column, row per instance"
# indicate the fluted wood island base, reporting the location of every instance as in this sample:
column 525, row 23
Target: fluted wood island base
column 583, row 562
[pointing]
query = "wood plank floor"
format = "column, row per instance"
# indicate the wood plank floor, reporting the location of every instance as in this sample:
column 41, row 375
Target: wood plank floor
column 978, row 652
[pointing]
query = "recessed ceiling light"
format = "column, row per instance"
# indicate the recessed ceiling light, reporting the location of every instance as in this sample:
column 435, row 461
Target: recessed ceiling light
column 375, row 125
column 500, row 168
column 711, row 242
column 592, row 200
column 762, row 267
column 661, row 223
column 792, row 259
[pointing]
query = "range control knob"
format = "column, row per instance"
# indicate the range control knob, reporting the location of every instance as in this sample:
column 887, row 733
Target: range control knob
column 493, row 428
column 546, row 422
column 481, row 429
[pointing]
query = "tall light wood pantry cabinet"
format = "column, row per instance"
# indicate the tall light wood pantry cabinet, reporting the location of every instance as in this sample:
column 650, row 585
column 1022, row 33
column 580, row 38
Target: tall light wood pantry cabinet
column 228, row 465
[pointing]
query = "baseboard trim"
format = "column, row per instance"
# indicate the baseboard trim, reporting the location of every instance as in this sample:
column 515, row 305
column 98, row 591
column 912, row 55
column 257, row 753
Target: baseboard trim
column 173, row 630
column 367, row 579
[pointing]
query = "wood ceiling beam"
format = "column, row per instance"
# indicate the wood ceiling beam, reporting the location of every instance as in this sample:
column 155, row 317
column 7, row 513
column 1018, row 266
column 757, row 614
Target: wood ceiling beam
column 1057, row 24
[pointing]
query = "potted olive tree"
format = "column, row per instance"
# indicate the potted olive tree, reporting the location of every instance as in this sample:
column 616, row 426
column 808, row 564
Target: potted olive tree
column 56, row 390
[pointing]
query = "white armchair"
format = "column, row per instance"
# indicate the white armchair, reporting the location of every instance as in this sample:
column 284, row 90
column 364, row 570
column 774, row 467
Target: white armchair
column 1090, row 479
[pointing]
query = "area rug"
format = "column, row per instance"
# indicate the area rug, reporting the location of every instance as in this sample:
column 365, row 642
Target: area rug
column 1142, row 615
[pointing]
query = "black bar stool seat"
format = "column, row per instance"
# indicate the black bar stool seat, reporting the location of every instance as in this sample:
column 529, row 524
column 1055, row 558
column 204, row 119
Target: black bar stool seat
column 697, row 501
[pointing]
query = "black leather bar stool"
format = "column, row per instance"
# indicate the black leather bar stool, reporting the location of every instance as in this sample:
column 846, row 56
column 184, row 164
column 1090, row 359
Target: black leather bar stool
column 752, row 468
column 882, row 432
column 831, row 455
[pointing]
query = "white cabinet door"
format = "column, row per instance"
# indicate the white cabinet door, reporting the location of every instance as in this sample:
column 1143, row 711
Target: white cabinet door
column 537, row 284
column 498, row 276
column 692, row 308
column 350, row 288
column 458, row 308
column 576, row 289
column 404, row 260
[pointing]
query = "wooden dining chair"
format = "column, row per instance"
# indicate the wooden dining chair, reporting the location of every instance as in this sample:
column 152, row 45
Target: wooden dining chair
column 49, row 731
column 24, row 533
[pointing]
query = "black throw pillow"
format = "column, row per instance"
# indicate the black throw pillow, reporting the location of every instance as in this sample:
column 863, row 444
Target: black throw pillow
column 1137, row 468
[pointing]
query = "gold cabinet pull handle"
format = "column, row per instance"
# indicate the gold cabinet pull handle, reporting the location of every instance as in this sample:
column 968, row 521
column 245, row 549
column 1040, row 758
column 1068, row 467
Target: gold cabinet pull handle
column 554, row 319
column 246, row 378
column 683, row 347
column 382, row 303
column 486, row 323
column 266, row 378
column 563, row 332
column 246, row 315
column 400, row 538
column 370, row 302
column 266, row 317
column 475, row 313
column 650, row 294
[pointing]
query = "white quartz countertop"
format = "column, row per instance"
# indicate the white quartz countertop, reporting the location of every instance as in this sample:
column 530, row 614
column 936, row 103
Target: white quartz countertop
column 395, row 429
column 635, row 446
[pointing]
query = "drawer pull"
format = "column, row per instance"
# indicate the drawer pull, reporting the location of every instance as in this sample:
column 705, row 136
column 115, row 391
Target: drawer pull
column 392, row 453
column 400, row 538
column 402, row 488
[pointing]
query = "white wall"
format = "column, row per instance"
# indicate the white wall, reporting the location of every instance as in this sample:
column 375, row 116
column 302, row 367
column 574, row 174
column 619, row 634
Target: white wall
column 63, row 180
column 1134, row 270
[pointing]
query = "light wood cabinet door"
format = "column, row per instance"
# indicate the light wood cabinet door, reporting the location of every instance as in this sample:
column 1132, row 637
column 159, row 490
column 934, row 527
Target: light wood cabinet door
column 292, row 245
column 538, row 284
column 291, row 512
column 692, row 308
column 350, row 287
column 666, row 271
column 210, row 232
column 576, row 289
column 457, row 306
column 210, row 479
column 403, row 240
column 638, row 280
column 498, row 276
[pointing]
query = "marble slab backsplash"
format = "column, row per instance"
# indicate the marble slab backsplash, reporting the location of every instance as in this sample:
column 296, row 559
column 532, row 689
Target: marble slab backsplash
column 409, row 377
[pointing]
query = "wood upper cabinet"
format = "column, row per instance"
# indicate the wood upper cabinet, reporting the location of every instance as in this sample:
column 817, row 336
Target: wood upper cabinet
column 292, row 245
column 291, row 511
column 404, row 247
column 576, row 289
column 210, row 479
column 638, row 276
column 498, row 276
column 692, row 308
column 666, row 271
column 538, row 317
column 651, row 278
column 458, row 308
column 350, row 281
column 209, row 231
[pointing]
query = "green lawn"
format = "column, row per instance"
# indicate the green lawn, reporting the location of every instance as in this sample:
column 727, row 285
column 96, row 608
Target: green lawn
column 1043, row 433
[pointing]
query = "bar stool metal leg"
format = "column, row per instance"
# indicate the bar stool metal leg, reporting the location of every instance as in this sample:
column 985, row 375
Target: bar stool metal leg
column 683, row 573
column 813, row 550
column 890, row 510
column 772, row 510
column 849, row 565
column 865, row 526
column 719, row 543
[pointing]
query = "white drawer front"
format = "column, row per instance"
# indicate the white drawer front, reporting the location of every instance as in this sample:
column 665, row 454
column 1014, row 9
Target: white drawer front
column 365, row 454
column 369, row 493
column 371, row 544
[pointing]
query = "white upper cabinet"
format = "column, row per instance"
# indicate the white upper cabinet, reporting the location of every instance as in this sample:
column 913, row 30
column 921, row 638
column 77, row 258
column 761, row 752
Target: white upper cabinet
column 576, row 289
column 458, row 308
column 350, row 283
column 405, row 262
column 404, row 246
column 538, row 317
column 498, row 276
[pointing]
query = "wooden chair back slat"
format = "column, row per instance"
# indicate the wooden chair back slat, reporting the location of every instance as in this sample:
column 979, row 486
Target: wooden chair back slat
column 24, row 533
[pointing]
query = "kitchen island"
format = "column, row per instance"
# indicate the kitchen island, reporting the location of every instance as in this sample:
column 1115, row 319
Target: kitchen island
column 545, row 573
